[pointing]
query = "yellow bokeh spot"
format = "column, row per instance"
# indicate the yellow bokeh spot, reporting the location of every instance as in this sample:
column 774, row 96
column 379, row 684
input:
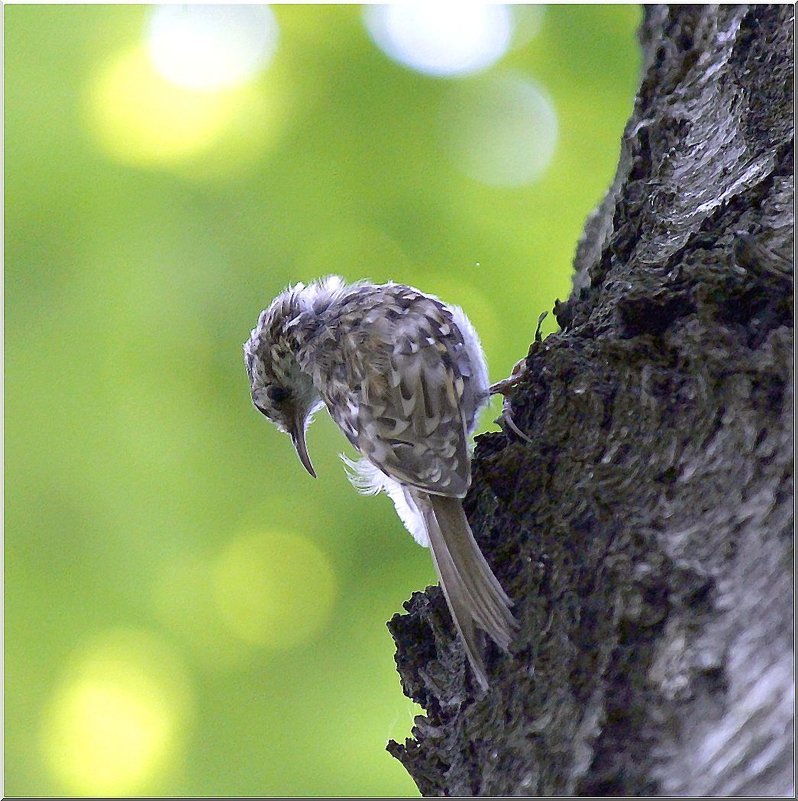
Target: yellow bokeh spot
column 116, row 718
column 274, row 589
column 141, row 118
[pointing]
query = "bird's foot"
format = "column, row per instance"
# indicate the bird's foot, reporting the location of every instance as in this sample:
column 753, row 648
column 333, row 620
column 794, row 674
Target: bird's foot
column 504, row 388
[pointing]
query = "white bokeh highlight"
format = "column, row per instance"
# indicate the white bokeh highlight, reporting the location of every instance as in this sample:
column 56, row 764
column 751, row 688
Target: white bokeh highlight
column 501, row 131
column 208, row 47
column 441, row 38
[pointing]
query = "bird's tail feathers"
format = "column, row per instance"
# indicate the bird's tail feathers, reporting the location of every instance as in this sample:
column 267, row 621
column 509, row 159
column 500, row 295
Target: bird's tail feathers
column 473, row 594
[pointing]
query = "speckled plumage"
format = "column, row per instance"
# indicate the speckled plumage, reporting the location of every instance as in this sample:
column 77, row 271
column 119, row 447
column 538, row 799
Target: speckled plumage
column 404, row 377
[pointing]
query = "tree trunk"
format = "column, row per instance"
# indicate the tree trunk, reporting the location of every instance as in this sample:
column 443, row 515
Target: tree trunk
column 646, row 532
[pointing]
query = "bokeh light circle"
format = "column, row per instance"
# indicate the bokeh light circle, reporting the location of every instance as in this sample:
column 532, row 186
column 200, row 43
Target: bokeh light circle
column 118, row 714
column 210, row 46
column 500, row 130
column 274, row 589
column 140, row 118
column 441, row 38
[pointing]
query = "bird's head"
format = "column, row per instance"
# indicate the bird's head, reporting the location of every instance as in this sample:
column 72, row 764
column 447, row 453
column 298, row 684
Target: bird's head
column 280, row 389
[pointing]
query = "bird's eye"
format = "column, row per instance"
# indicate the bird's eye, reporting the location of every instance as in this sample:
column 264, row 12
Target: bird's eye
column 277, row 394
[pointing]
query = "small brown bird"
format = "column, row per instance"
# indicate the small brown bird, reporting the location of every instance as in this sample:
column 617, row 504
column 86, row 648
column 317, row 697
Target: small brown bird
column 404, row 377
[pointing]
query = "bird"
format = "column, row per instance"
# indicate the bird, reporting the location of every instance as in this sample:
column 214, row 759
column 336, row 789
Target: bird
column 404, row 377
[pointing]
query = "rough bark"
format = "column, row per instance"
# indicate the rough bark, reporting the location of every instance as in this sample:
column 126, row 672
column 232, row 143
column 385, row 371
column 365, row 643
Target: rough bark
column 646, row 531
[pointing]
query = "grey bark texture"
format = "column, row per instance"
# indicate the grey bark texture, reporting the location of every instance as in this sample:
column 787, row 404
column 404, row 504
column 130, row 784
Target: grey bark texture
column 646, row 533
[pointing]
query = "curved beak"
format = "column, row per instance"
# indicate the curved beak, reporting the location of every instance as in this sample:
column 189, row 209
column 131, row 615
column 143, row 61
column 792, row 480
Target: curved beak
column 298, row 438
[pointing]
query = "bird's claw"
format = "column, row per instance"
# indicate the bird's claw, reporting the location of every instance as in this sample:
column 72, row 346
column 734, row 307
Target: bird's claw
column 504, row 387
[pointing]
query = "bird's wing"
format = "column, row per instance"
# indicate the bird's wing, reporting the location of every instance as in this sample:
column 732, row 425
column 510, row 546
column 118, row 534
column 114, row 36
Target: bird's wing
column 411, row 420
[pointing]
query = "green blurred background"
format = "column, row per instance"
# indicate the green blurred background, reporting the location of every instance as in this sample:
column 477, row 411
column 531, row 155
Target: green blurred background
column 186, row 611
